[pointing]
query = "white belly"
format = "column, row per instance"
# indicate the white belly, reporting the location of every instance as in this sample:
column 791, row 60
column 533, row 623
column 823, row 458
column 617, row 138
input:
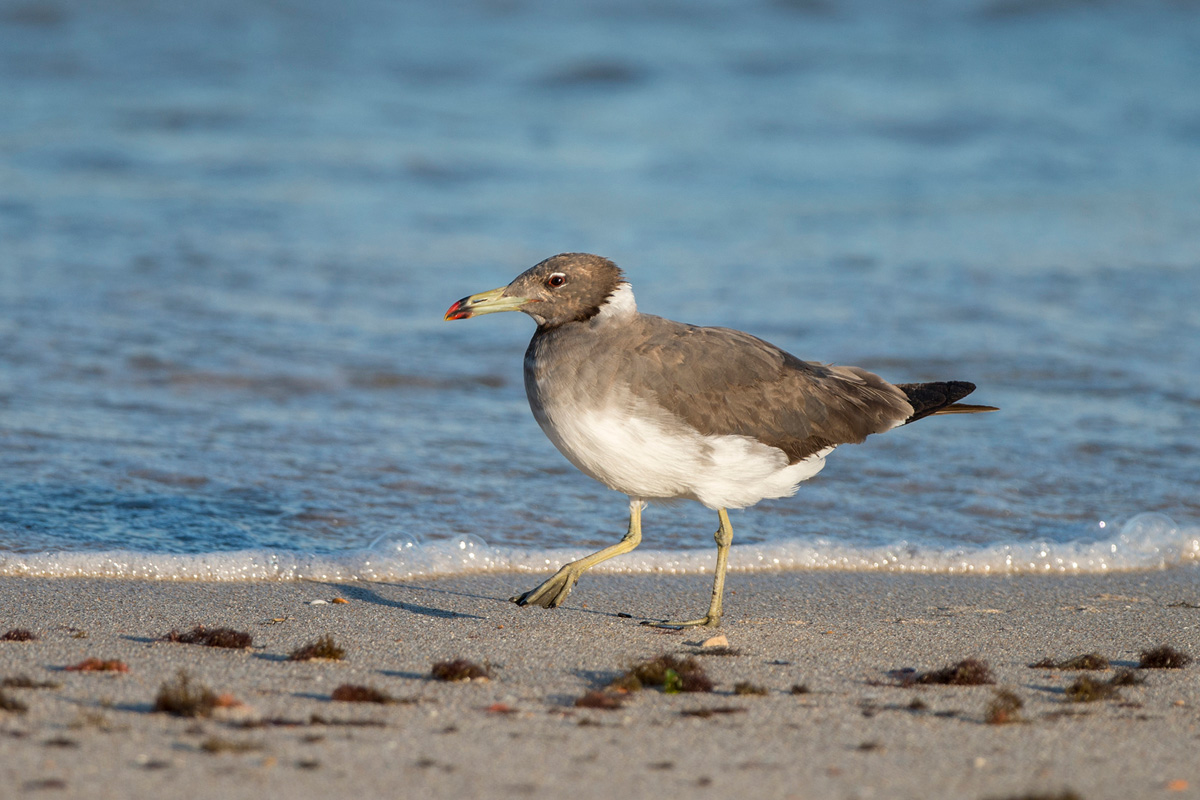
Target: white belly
column 637, row 448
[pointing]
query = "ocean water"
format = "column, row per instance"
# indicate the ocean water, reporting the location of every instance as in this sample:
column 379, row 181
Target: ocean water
column 229, row 230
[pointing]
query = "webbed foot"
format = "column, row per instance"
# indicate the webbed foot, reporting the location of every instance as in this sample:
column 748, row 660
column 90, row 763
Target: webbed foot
column 551, row 593
column 709, row 621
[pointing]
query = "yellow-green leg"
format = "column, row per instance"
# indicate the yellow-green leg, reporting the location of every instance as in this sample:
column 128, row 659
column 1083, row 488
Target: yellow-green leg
column 724, row 538
column 551, row 593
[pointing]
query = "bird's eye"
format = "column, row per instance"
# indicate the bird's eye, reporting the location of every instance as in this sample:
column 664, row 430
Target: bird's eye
column 556, row 280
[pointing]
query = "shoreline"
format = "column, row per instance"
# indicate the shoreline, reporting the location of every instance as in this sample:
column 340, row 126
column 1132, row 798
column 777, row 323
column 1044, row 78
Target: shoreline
column 845, row 637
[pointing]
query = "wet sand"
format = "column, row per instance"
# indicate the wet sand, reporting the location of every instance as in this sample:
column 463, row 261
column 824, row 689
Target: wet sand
column 857, row 730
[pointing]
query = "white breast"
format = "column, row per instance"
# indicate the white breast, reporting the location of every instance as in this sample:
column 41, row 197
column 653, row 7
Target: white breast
column 640, row 450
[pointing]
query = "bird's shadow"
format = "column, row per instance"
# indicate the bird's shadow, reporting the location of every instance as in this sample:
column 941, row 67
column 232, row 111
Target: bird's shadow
column 132, row 708
column 366, row 595
column 314, row 696
column 416, row 676
column 597, row 678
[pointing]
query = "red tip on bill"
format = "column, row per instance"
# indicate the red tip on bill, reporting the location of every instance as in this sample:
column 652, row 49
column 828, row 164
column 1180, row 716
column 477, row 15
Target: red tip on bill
column 458, row 310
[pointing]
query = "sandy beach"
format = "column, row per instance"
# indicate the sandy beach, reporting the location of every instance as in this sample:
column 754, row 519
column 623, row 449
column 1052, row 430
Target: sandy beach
column 840, row 717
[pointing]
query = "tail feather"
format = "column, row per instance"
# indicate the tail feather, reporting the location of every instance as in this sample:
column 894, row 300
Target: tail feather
column 928, row 399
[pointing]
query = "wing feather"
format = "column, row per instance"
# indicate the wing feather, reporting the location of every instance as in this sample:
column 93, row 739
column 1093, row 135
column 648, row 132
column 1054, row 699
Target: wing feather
column 725, row 382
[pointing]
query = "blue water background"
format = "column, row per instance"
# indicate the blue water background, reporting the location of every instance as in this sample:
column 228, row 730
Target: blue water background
column 228, row 231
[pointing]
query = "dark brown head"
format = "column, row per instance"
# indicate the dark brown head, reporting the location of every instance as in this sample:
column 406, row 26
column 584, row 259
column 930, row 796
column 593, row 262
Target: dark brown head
column 568, row 287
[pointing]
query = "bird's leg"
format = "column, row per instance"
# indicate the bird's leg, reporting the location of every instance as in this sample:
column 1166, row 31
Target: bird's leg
column 712, row 619
column 551, row 593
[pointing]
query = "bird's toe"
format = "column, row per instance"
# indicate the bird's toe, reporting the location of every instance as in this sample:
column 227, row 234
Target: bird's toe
column 708, row 621
column 550, row 594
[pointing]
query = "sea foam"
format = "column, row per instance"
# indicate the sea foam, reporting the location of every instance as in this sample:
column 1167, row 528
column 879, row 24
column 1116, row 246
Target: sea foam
column 1147, row 541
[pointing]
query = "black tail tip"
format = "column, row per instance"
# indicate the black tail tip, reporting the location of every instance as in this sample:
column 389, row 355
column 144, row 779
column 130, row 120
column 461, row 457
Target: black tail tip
column 937, row 397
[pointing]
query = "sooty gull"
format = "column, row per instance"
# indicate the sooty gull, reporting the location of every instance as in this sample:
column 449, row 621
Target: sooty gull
column 662, row 410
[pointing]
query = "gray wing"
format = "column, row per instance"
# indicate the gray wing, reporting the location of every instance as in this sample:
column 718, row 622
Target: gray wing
column 722, row 382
